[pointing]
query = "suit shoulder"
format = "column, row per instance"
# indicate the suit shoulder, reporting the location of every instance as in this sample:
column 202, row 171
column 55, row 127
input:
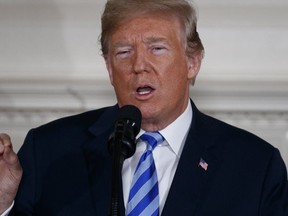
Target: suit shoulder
column 66, row 132
column 233, row 135
column 80, row 120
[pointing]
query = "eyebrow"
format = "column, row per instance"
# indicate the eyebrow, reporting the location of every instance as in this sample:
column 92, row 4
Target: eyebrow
column 148, row 40
column 120, row 44
column 152, row 39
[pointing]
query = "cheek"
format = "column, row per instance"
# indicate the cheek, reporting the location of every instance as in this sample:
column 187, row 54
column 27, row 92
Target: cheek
column 177, row 72
column 122, row 83
column 115, row 75
column 176, row 81
column 120, row 69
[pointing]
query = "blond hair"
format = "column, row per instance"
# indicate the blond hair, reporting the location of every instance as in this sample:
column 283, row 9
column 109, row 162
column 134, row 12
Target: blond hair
column 118, row 11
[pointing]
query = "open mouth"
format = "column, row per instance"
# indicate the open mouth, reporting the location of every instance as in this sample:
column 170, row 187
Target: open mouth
column 144, row 90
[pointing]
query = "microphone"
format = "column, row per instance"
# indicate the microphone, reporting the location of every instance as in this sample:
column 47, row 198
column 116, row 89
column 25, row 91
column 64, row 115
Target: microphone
column 127, row 126
column 122, row 145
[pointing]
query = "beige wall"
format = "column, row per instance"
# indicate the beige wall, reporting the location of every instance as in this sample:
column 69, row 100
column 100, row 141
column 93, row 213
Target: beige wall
column 50, row 64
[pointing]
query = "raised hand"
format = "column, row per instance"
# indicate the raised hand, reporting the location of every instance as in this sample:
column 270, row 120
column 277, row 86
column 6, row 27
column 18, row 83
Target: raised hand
column 10, row 173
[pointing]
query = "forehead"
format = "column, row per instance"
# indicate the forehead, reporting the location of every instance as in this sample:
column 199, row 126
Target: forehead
column 154, row 27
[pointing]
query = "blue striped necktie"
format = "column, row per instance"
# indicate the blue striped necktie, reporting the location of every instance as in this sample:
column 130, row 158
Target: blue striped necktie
column 144, row 193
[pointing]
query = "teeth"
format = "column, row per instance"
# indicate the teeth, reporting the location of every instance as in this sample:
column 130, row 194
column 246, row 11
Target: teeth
column 144, row 92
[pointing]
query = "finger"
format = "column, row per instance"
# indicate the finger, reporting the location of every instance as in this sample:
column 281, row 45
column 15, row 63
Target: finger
column 5, row 141
column 1, row 148
column 13, row 162
column 8, row 154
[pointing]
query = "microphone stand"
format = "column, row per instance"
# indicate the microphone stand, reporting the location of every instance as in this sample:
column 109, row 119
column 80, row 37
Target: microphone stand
column 121, row 146
column 117, row 164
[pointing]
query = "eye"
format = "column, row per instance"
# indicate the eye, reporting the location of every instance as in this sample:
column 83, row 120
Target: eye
column 159, row 49
column 123, row 53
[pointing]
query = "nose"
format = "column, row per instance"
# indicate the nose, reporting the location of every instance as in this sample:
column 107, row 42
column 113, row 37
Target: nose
column 140, row 61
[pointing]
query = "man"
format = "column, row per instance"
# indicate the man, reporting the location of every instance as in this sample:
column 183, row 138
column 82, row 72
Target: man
column 204, row 166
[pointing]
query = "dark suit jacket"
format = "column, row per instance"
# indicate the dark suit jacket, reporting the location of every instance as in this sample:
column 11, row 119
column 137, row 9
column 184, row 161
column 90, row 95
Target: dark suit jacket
column 67, row 170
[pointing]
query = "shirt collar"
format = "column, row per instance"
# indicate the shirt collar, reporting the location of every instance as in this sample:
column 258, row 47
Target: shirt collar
column 175, row 133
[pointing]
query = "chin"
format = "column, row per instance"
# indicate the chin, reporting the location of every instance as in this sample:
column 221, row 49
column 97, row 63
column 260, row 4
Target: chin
column 148, row 114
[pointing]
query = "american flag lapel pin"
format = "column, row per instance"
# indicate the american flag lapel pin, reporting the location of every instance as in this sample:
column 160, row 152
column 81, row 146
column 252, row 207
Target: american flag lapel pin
column 203, row 164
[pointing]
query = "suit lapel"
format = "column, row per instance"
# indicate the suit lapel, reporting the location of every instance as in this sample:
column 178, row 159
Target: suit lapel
column 99, row 163
column 191, row 181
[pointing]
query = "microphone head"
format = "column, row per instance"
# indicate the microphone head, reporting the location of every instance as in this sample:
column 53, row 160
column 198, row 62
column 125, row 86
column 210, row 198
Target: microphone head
column 132, row 113
column 127, row 126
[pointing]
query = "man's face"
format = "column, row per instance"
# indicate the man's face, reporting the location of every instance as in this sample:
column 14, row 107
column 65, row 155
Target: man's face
column 148, row 68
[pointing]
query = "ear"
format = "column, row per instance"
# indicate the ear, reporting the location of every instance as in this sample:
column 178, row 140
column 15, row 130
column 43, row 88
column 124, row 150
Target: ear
column 194, row 64
column 109, row 68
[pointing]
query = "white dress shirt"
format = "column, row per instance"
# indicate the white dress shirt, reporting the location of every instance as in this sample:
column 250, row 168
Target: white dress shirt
column 166, row 156
column 5, row 213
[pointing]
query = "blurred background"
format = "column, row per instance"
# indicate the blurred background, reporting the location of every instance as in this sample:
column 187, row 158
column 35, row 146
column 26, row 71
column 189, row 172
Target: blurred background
column 51, row 66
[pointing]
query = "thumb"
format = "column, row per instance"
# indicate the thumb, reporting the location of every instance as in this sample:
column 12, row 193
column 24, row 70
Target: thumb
column 9, row 155
column 1, row 148
column 5, row 141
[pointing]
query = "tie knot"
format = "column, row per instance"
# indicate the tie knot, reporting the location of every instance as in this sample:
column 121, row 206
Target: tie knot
column 152, row 139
